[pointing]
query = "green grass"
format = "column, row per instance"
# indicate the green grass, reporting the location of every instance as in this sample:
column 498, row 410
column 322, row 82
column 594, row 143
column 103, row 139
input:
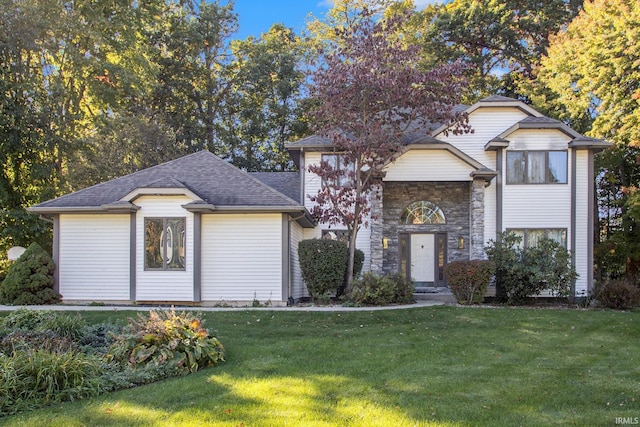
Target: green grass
column 440, row 366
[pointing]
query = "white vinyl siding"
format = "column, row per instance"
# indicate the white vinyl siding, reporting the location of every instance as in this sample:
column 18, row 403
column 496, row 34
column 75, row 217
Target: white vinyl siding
column 164, row 285
column 313, row 182
column 536, row 206
column 582, row 221
column 298, row 289
column 94, row 257
column 428, row 165
column 538, row 139
column 311, row 187
column 242, row 257
column 490, row 211
column 487, row 123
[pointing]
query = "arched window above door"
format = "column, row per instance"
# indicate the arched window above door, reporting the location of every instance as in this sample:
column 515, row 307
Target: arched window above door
column 422, row 212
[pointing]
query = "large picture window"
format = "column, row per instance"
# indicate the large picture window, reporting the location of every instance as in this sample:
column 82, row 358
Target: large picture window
column 532, row 236
column 337, row 163
column 536, row 167
column 164, row 243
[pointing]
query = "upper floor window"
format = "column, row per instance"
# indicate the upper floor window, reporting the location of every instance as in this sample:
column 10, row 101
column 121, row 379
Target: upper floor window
column 164, row 243
column 422, row 212
column 337, row 163
column 536, row 167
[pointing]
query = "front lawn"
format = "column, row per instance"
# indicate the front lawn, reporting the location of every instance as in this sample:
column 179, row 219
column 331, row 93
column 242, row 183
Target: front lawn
column 439, row 366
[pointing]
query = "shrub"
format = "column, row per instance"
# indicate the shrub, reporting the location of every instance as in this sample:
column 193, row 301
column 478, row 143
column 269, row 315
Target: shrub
column 372, row 289
column 61, row 324
column 29, row 280
column 40, row 377
column 469, row 280
column 324, row 266
column 160, row 338
column 525, row 272
column 619, row 294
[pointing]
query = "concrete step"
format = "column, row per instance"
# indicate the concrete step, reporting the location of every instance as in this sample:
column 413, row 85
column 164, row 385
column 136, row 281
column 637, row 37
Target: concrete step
column 446, row 297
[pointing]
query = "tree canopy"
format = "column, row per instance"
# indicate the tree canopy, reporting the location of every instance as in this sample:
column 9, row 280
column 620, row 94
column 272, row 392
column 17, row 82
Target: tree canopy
column 369, row 90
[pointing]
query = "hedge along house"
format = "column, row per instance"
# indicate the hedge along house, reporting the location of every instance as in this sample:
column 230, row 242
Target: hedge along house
column 199, row 230
column 195, row 229
column 445, row 196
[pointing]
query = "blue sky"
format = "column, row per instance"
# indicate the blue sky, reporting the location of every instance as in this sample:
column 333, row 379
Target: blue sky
column 256, row 16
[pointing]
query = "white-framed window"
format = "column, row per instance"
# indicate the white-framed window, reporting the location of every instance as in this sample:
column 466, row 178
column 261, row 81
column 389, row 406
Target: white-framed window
column 536, row 167
column 337, row 163
column 532, row 236
column 164, row 243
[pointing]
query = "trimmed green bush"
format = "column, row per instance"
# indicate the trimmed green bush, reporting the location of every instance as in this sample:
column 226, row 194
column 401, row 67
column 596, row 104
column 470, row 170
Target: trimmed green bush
column 619, row 294
column 526, row 272
column 29, row 280
column 167, row 338
column 324, row 266
column 469, row 280
column 372, row 289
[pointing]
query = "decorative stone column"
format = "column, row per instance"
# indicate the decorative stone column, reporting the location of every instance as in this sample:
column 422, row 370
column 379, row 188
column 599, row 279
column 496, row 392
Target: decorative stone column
column 376, row 223
column 477, row 219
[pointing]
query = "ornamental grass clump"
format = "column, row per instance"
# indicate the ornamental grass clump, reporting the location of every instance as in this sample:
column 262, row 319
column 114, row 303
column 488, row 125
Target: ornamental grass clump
column 177, row 343
column 469, row 280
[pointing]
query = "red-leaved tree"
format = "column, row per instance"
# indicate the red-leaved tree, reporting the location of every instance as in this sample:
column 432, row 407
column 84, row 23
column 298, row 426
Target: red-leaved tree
column 370, row 92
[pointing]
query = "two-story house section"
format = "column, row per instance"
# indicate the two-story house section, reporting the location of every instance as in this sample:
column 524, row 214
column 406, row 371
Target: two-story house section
column 199, row 230
column 446, row 196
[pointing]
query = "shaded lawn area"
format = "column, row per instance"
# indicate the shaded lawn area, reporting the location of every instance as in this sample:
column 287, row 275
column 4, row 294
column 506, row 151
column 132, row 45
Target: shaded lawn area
column 438, row 366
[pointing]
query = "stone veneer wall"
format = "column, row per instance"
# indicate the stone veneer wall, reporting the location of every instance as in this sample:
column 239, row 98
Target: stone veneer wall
column 454, row 198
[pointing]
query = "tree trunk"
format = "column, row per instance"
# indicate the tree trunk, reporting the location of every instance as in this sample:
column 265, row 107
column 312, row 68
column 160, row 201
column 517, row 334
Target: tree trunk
column 351, row 260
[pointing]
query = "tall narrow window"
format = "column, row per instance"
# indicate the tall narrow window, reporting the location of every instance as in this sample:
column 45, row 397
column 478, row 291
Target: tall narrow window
column 343, row 170
column 422, row 212
column 164, row 243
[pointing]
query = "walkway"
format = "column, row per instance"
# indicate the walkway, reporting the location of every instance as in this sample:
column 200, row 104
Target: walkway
column 68, row 307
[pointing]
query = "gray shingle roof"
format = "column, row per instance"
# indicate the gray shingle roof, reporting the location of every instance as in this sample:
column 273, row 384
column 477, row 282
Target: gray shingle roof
column 215, row 181
column 287, row 183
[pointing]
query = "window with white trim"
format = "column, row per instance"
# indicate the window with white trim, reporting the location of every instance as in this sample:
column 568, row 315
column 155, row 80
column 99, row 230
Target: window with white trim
column 164, row 243
column 536, row 167
column 337, row 163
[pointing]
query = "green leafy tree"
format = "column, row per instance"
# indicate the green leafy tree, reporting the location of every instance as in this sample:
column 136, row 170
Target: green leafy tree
column 189, row 50
column 499, row 40
column 265, row 106
column 601, row 84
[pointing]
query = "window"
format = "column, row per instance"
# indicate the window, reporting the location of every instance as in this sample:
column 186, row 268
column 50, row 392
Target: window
column 164, row 243
column 422, row 212
column 532, row 236
column 536, row 167
column 340, row 235
column 337, row 163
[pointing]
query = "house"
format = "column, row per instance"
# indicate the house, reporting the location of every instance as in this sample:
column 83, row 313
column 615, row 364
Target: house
column 199, row 230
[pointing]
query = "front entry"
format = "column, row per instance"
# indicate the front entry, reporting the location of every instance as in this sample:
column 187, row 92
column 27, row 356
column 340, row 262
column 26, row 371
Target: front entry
column 423, row 257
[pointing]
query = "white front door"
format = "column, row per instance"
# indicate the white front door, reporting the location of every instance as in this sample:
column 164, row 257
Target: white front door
column 423, row 259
